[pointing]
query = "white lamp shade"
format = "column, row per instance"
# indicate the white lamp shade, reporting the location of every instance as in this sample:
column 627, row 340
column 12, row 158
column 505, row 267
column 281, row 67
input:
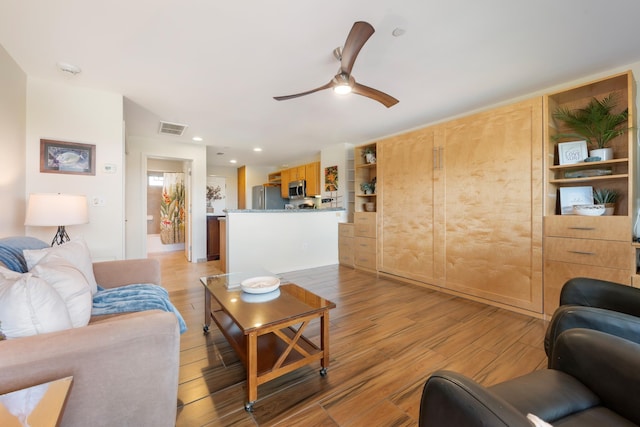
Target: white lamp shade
column 54, row 209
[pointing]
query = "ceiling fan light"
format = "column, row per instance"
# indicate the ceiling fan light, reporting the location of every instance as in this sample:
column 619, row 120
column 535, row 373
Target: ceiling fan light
column 342, row 89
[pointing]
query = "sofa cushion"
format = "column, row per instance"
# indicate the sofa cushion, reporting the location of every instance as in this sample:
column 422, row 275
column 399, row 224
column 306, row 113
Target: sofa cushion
column 75, row 252
column 70, row 284
column 30, row 306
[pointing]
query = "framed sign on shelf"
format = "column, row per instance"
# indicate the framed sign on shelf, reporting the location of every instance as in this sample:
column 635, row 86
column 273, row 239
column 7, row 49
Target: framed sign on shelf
column 570, row 196
column 67, row 157
column 572, row 152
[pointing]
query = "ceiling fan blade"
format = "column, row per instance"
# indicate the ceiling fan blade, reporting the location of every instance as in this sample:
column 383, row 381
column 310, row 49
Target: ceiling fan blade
column 283, row 98
column 381, row 97
column 358, row 36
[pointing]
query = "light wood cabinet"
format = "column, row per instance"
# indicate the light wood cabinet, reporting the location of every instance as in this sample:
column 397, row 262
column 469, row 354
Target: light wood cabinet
column 346, row 244
column 365, row 172
column 364, row 231
column 312, row 175
column 581, row 246
column 460, row 205
column 284, row 183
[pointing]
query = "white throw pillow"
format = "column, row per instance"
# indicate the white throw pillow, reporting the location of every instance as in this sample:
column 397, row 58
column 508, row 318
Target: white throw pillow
column 70, row 284
column 30, row 306
column 75, row 252
column 537, row 422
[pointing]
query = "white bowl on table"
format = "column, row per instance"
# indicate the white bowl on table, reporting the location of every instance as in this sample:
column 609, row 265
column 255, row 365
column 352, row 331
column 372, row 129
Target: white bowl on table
column 260, row 284
column 589, row 210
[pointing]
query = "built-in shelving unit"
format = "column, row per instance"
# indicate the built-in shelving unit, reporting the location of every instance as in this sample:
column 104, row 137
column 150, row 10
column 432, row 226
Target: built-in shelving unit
column 365, row 172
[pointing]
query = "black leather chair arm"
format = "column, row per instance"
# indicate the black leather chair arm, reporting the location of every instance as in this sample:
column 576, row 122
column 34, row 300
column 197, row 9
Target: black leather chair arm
column 606, row 364
column 571, row 316
column 451, row 399
column 602, row 294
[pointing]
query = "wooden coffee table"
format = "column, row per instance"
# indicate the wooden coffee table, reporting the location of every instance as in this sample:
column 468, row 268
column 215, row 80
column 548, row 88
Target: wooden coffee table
column 266, row 330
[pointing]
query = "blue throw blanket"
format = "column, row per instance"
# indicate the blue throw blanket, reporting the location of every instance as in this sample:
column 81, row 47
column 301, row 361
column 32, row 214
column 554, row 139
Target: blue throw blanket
column 131, row 298
column 11, row 251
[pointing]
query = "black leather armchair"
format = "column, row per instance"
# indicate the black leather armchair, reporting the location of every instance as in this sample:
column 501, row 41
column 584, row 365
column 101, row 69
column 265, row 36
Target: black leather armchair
column 594, row 380
column 596, row 304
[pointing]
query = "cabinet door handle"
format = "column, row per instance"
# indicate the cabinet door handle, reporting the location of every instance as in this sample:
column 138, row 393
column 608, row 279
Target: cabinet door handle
column 582, row 252
column 582, row 228
column 435, row 158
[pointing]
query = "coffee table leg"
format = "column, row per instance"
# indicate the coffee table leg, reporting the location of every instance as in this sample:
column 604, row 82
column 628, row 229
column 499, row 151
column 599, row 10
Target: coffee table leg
column 324, row 342
column 252, row 370
column 207, row 311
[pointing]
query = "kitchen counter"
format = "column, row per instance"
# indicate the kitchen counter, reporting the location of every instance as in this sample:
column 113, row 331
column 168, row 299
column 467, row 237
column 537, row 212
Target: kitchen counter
column 283, row 210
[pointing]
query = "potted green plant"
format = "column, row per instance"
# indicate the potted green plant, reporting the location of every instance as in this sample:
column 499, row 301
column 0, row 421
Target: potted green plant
column 368, row 187
column 606, row 197
column 369, row 154
column 597, row 123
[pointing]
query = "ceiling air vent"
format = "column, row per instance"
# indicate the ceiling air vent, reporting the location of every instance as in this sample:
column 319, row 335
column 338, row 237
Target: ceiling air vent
column 169, row 128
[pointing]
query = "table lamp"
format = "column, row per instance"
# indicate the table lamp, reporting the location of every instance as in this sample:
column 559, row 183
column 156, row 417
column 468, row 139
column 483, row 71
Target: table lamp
column 55, row 209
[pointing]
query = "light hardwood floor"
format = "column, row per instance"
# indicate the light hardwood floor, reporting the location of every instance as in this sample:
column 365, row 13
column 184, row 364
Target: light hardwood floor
column 386, row 338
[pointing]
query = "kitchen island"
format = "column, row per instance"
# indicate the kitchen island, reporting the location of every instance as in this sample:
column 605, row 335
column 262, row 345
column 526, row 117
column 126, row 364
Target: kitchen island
column 280, row 240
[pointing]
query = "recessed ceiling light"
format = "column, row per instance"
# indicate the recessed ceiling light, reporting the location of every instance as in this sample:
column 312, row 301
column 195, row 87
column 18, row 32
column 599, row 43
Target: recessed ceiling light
column 257, row 149
column 233, row 161
column 197, row 138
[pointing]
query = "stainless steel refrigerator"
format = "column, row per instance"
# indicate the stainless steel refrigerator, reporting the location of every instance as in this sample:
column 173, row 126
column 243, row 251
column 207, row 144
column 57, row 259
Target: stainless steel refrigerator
column 266, row 197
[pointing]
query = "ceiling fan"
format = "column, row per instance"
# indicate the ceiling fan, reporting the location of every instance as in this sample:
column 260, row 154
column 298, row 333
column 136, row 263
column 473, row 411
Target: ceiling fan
column 343, row 82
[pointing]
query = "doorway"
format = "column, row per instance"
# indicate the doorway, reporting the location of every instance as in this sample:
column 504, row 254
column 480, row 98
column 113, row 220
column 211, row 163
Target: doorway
column 168, row 206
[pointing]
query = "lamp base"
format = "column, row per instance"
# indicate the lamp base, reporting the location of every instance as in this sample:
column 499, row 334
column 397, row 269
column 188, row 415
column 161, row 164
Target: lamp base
column 60, row 237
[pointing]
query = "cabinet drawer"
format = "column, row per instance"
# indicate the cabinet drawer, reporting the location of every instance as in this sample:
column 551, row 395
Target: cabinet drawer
column 585, row 227
column 346, row 259
column 590, row 252
column 365, row 260
column 365, row 245
column 364, row 224
column 557, row 273
column 345, row 229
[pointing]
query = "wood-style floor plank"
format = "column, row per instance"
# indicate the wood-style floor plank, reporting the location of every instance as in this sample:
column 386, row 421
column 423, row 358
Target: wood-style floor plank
column 386, row 338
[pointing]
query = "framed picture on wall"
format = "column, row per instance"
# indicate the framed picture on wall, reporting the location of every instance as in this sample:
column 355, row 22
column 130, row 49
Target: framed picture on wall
column 572, row 152
column 67, row 157
column 331, row 178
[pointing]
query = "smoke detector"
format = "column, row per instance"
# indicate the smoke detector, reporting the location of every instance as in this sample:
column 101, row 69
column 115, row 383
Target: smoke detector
column 68, row 68
column 168, row 128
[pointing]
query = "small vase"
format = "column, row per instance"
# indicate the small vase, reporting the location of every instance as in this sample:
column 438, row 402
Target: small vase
column 609, row 208
column 370, row 158
column 603, row 153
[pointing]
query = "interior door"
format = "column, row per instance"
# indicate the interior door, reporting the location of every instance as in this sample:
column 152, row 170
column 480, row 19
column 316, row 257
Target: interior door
column 406, row 203
column 187, row 210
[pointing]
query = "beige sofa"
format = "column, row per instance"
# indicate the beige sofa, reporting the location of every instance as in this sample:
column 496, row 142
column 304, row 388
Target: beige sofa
column 124, row 367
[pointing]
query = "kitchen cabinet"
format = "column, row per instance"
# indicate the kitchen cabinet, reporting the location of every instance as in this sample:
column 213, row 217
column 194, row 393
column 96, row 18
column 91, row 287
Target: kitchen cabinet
column 460, row 205
column 597, row 247
column 213, row 238
column 312, row 175
column 284, row 185
column 365, row 232
column 346, row 244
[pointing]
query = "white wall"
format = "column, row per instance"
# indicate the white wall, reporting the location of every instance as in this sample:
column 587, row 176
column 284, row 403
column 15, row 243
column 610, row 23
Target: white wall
column 230, row 175
column 339, row 155
column 13, row 122
column 63, row 112
column 282, row 241
column 138, row 151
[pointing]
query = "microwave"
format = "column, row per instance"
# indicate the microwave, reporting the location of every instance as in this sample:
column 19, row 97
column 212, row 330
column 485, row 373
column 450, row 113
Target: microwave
column 297, row 189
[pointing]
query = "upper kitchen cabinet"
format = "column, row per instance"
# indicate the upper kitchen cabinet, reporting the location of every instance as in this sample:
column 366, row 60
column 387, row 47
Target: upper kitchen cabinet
column 284, row 183
column 365, row 163
column 312, row 175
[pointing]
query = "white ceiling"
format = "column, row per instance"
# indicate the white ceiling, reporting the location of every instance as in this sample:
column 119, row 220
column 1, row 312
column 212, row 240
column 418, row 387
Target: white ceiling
column 215, row 66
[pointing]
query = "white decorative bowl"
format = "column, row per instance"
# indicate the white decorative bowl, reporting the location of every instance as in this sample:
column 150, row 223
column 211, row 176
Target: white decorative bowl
column 260, row 284
column 589, row 210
